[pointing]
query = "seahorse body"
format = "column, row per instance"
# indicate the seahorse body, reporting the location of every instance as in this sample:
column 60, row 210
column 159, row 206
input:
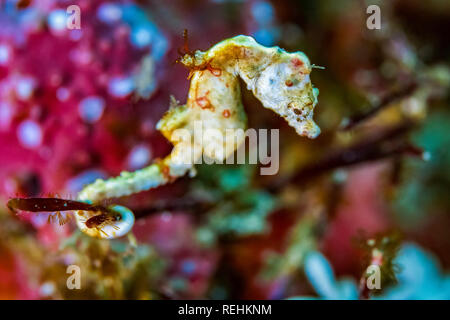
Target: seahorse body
column 280, row 80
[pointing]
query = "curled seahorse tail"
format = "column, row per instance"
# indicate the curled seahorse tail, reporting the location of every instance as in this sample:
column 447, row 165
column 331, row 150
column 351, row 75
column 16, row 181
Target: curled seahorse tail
column 116, row 229
column 127, row 183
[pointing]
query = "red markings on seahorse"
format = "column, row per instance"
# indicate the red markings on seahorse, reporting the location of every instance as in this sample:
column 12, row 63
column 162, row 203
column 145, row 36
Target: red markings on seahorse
column 215, row 71
column 297, row 62
column 165, row 170
column 203, row 101
column 226, row 113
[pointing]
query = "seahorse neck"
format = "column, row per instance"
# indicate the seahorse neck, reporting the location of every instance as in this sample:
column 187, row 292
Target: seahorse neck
column 241, row 56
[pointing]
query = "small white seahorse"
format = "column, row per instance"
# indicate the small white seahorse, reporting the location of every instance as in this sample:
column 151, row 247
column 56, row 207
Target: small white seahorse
column 279, row 79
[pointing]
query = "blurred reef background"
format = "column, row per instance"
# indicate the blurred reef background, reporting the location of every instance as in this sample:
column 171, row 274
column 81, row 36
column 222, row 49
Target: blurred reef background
column 373, row 188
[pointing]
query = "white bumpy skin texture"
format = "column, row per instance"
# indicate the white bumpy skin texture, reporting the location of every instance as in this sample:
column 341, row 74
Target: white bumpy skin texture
column 279, row 79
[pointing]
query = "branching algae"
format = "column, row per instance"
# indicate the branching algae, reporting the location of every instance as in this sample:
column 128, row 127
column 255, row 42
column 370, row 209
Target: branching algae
column 279, row 79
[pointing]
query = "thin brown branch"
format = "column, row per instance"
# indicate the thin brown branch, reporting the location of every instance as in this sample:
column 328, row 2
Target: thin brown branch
column 381, row 145
column 185, row 204
column 383, row 103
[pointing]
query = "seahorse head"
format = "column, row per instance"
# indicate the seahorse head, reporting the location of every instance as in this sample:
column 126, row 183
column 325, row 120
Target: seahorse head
column 284, row 86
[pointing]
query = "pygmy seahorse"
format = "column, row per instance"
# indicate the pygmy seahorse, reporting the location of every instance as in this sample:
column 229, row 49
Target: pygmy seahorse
column 279, row 79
